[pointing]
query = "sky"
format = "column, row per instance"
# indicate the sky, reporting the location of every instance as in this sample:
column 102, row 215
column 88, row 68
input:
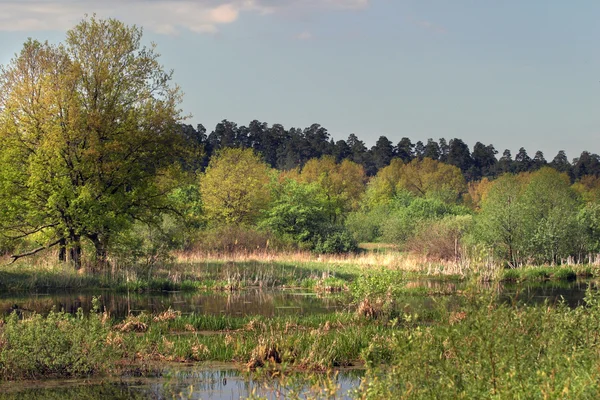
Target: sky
column 511, row 73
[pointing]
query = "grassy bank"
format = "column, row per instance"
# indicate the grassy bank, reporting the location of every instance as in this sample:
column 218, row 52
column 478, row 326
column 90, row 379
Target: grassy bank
column 321, row 273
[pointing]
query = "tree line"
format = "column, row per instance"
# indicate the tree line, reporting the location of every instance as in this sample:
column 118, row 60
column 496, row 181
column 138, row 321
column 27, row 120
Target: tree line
column 97, row 162
column 285, row 149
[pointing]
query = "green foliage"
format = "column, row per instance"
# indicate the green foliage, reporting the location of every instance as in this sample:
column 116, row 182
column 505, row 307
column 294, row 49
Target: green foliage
column 335, row 239
column 304, row 214
column 549, row 209
column 378, row 284
column 489, row 350
column 298, row 211
column 147, row 245
column 589, row 222
column 409, row 212
column 235, row 187
column 82, row 158
column 533, row 220
column 441, row 239
column 59, row 345
column 366, row 226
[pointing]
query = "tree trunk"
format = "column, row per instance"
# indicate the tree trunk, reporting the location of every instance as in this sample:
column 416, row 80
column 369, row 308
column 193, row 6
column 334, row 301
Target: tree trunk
column 62, row 250
column 101, row 250
column 75, row 252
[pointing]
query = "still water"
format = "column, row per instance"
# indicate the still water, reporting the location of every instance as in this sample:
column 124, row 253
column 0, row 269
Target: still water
column 218, row 383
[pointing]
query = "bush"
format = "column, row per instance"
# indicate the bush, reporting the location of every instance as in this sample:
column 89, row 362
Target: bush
column 58, row 345
column 440, row 240
column 144, row 245
column 408, row 213
column 234, row 239
column 366, row 226
column 336, row 239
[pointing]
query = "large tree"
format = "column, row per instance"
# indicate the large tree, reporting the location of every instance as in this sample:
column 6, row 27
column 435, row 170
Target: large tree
column 87, row 128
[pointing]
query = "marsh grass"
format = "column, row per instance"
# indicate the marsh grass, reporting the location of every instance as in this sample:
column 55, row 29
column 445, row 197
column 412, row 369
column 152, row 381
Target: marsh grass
column 477, row 348
column 543, row 273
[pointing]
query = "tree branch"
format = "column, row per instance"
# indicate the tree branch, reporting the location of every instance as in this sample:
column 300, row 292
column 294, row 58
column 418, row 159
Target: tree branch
column 15, row 257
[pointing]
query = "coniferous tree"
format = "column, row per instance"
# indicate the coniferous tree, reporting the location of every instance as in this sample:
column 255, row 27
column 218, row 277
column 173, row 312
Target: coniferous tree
column 538, row 161
column 561, row 163
column 505, row 163
column 459, row 155
column 432, row 150
column 382, row 152
column 523, row 163
column 484, row 161
column 405, row 150
column 444, row 148
column 419, row 150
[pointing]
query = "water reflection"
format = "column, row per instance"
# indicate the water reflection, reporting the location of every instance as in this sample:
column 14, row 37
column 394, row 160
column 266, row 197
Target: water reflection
column 272, row 303
column 190, row 383
column 247, row 302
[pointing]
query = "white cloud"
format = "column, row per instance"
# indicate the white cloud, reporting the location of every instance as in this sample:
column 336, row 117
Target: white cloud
column 162, row 16
column 304, row 35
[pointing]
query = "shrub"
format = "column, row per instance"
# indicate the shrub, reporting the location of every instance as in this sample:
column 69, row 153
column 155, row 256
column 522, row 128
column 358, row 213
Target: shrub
column 335, row 239
column 233, row 239
column 58, row 345
column 440, row 240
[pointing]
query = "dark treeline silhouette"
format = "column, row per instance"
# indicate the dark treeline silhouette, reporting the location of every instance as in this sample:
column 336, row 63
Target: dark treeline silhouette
column 286, row 149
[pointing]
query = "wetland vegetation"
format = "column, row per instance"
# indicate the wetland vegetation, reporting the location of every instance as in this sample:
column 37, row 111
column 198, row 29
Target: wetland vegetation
column 134, row 245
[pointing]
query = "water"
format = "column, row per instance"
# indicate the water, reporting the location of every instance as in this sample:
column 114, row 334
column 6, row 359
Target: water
column 271, row 303
column 247, row 302
column 181, row 383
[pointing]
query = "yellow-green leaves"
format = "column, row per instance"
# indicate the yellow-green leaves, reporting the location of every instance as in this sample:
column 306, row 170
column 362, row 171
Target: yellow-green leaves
column 86, row 127
column 235, row 187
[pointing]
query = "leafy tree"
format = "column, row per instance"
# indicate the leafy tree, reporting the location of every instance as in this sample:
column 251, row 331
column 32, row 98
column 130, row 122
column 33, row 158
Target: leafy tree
column 500, row 223
column 302, row 213
column 408, row 212
column 235, row 187
column 477, row 192
column 589, row 221
column 298, row 211
column 549, row 215
column 588, row 187
column 382, row 188
column 87, row 127
column 428, row 177
column 343, row 183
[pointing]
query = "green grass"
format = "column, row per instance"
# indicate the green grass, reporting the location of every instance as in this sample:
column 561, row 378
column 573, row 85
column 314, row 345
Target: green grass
column 559, row 273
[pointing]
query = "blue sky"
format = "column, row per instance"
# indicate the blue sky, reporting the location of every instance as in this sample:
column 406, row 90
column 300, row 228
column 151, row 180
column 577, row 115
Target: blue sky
column 512, row 73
